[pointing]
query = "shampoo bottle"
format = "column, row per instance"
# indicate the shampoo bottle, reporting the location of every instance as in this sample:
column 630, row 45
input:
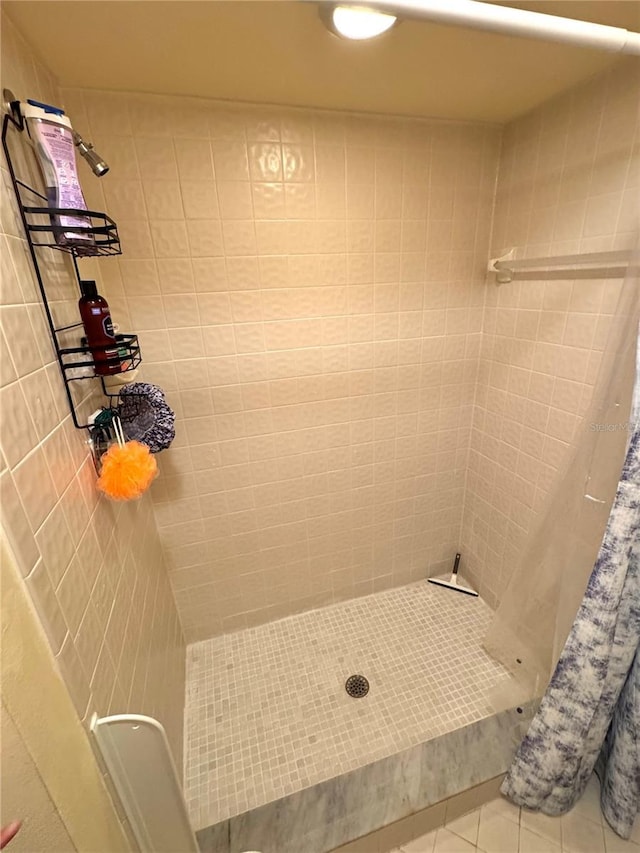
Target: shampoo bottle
column 98, row 327
column 50, row 131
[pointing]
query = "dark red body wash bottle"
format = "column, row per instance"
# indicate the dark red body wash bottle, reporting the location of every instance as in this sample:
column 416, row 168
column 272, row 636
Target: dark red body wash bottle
column 98, row 327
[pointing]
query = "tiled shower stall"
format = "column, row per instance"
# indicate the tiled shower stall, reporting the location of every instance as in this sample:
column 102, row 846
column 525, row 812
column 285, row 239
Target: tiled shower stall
column 315, row 315
column 356, row 402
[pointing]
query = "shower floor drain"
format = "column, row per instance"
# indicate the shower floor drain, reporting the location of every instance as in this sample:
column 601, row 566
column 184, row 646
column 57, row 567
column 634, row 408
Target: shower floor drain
column 357, row 686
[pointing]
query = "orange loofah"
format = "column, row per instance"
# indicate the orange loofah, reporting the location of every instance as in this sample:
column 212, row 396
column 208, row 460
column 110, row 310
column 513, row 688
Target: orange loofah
column 127, row 471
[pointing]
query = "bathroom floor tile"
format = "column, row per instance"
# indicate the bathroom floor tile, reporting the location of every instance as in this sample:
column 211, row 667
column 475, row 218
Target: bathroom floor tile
column 424, row 844
column 501, row 827
column 581, row 835
column 541, row 825
column 448, row 842
column 613, row 844
column 532, row 843
column 496, row 833
column 466, row 826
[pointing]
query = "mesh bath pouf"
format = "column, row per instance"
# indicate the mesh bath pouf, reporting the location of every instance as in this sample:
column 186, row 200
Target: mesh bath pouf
column 146, row 416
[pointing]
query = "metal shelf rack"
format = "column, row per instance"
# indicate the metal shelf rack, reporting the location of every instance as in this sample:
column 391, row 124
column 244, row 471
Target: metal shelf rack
column 76, row 362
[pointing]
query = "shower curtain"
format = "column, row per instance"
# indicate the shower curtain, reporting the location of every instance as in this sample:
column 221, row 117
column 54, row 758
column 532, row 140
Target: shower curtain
column 594, row 694
column 595, row 690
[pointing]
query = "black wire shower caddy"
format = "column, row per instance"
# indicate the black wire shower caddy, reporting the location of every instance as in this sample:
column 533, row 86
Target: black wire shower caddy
column 40, row 232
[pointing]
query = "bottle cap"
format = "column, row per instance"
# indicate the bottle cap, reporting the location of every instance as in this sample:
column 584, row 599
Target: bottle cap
column 45, row 112
column 89, row 289
column 48, row 108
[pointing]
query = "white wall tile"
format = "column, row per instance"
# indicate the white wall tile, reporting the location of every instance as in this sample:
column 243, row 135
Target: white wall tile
column 70, row 544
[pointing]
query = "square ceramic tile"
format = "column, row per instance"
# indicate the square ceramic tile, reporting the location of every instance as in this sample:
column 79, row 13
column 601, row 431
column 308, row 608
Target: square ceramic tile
column 267, row 709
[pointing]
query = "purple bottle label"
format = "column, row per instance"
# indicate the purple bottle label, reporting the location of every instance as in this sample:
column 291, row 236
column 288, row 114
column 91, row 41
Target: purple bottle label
column 58, row 143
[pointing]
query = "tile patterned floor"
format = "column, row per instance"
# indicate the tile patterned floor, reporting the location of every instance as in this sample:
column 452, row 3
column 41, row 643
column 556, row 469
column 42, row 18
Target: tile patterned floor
column 500, row 827
column 267, row 713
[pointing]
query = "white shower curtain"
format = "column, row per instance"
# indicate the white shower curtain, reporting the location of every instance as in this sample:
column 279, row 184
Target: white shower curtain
column 546, row 587
column 536, row 614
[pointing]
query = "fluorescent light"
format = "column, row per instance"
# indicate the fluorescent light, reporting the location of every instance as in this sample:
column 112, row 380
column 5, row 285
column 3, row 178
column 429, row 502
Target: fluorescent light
column 356, row 22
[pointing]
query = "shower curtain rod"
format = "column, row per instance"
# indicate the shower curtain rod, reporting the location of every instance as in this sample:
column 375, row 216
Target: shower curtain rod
column 603, row 264
column 505, row 19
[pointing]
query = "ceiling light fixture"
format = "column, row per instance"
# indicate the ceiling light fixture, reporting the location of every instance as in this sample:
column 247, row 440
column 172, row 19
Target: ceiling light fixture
column 475, row 15
column 356, row 22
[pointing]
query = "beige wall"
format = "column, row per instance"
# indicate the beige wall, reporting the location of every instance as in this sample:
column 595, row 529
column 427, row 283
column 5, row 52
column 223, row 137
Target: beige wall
column 50, row 779
column 95, row 571
column 22, row 790
column 307, row 287
column 569, row 182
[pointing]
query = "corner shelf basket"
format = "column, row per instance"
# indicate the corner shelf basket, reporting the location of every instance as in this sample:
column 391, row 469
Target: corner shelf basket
column 76, row 363
column 103, row 230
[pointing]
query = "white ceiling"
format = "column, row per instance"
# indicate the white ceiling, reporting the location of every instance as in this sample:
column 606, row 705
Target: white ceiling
column 279, row 52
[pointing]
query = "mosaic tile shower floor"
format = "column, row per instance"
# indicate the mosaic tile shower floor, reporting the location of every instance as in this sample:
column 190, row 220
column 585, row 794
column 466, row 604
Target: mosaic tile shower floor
column 267, row 713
